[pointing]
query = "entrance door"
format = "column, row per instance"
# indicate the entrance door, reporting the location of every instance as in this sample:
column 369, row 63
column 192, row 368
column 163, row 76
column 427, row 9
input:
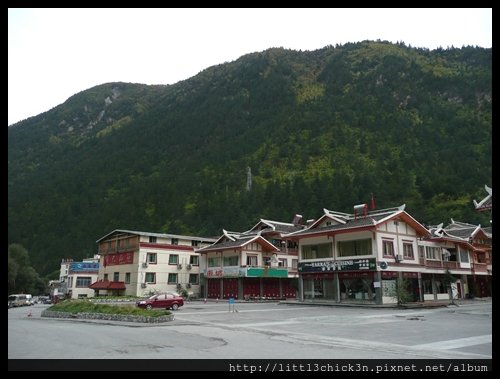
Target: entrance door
column 318, row 288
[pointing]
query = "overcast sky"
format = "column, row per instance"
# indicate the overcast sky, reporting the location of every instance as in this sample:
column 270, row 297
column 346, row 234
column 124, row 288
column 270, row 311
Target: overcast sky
column 55, row 53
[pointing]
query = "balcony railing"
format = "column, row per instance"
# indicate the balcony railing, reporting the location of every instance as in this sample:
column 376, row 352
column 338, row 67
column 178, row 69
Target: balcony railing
column 480, row 267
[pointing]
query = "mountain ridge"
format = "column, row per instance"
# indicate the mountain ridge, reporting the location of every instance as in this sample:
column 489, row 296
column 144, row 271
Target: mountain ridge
column 321, row 128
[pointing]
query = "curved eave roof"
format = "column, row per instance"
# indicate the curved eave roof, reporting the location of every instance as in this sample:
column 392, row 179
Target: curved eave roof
column 240, row 243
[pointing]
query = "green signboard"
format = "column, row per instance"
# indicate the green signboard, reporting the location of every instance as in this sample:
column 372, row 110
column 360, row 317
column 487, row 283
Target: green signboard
column 267, row 272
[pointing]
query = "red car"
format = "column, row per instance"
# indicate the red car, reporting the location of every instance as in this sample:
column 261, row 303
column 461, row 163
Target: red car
column 162, row 300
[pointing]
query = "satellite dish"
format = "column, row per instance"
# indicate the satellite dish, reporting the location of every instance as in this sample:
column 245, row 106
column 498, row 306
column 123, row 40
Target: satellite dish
column 383, row 265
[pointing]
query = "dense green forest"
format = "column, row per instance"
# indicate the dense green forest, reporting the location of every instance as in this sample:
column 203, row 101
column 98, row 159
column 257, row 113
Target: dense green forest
column 318, row 129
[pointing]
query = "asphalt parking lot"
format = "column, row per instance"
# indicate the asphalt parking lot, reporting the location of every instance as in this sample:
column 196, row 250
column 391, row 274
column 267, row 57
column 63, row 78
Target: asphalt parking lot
column 261, row 331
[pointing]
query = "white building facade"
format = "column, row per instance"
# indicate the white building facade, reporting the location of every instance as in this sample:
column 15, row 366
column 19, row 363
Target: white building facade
column 75, row 278
column 142, row 263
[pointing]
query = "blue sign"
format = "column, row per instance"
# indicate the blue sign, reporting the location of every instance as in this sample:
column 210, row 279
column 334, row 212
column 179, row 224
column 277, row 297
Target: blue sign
column 84, row 267
column 231, row 300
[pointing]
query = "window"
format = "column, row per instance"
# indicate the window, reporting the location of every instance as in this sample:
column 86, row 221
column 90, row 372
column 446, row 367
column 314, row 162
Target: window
column 355, row 247
column 440, row 287
column 427, row 286
column 194, row 279
column 151, row 258
column 388, row 248
column 127, row 278
column 194, row 260
column 323, row 250
column 175, row 241
column 464, row 256
column 251, row 260
column 82, row 295
column 118, row 243
column 105, row 276
column 151, row 277
column 481, row 258
column 152, row 239
column 231, row 261
column 421, row 251
column 408, row 250
column 453, row 255
column 172, row 278
column 116, row 277
column 432, row 252
column 282, row 262
column 109, row 245
column 173, row 259
column 214, row 262
column 295, row 263
column 83, row 281
column 195, row 243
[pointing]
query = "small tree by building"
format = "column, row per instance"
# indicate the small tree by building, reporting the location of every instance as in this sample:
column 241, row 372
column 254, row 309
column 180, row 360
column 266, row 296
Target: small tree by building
column 401, row 292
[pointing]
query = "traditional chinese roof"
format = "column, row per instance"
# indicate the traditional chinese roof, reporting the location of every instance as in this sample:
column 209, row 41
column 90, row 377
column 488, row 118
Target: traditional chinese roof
column 438, row 233
column 160, row 235
column 345, row 221
column 485, row 204
column 238, row 242
column 465, row 230
column 107, row 285
column 265, row 226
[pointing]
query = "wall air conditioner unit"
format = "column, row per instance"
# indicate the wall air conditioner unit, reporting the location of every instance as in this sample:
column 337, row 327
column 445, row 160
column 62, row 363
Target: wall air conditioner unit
column 188, row 267
column 145, row 264
column 188, row 285
column 143, row 285
column 179, row 266
column 398, row 257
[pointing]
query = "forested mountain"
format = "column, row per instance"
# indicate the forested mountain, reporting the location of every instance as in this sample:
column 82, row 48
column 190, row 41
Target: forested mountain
column 318, row 129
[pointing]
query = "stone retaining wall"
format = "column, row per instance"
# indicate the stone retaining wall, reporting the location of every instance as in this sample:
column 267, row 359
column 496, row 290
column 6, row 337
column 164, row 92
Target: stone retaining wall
column 107, row 316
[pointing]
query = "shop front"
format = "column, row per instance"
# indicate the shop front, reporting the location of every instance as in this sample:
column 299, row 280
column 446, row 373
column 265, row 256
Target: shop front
column 411, row 281
column 350, row 280
column 249, row 283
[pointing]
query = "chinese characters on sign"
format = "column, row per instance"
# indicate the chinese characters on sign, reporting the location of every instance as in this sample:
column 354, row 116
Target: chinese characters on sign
column 118, row 259
column 347, row 265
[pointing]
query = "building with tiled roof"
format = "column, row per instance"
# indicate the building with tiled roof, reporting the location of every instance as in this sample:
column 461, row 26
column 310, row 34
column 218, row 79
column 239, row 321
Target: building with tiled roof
column 141, row 263
column 480, row 240
column 257, row 263
column 358, row 257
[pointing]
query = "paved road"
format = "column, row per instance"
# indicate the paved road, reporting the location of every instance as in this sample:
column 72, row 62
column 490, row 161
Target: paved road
column 262, row 331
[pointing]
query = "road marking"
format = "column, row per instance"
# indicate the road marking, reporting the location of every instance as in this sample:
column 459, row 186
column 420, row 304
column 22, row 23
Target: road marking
column 252, row 325
column 239, row 311
column 457, row 343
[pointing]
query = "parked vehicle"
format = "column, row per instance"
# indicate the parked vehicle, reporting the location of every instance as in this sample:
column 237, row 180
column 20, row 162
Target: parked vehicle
column 19, row 300
column 167, row 300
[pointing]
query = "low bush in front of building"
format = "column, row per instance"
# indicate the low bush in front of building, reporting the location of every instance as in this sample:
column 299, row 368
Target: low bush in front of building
column 85, row 306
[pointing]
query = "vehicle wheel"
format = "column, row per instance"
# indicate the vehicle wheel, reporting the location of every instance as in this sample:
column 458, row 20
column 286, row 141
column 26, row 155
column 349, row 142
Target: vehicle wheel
column 149, row 307
column 175, row 307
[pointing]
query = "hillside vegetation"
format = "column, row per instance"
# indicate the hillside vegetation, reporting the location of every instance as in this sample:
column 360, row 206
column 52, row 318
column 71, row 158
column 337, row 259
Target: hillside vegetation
column 318, row 129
